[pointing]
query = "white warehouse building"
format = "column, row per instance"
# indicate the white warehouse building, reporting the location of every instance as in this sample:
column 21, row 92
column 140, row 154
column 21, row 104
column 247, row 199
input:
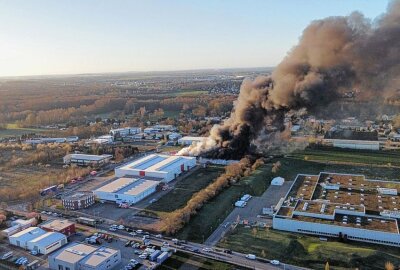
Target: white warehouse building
column 130, row 190
column 37, row 239
column 164, row 167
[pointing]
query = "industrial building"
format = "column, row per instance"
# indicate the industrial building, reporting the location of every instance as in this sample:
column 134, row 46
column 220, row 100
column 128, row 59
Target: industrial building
column 343, row 206
column 124, row 132
column 37, row 239
column 78, row 256
column 63, row 226
column 189, row 140
column 79, row 200
column 129, row 190
column 87, row 160
column 18, row 225
column 352, row 139
column 163, row 167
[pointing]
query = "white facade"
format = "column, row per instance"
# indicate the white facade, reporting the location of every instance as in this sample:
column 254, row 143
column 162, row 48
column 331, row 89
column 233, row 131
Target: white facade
column 352, row 144
column 37, row 239
column 123, row 132
column 87, row 160
column 188, row 140
column 22, row 238
column 47, row 243
column 130, row 190
column 278, row 181
column 321, row 229
column 164, row 167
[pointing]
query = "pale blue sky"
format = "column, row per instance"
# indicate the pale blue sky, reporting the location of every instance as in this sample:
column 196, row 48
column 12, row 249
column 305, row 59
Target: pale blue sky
column 87, row 36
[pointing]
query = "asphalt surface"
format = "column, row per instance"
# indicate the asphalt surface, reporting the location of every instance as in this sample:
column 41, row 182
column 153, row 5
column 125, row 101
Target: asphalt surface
column 251, row 211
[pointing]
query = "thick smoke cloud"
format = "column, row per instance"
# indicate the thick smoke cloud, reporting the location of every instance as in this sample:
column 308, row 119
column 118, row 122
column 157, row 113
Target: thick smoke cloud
column 333, row 55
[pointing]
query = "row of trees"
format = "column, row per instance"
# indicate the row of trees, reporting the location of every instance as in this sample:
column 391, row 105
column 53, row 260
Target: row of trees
column 175, row 220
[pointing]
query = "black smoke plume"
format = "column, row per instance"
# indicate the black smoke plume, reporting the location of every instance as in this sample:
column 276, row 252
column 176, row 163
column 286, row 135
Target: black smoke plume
column 333, row 55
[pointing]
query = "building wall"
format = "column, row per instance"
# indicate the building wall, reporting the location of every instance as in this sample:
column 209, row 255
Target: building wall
column 363, row 235
column 66, row 231
column 168, row 176
column 78, row 203
column 55, row 263
column 48, row 248
column 365, row 145
column 108, row 196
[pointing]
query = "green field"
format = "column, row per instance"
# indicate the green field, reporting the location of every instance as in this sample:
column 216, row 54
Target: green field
column 379, row 158
column 215, row 211
column 13, row 130
column 309, row 251
column 185, row 189
column 182, row 260
column 190, row 93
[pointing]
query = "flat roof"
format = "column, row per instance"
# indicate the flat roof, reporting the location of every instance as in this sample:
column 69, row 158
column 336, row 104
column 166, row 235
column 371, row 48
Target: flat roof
column 56, row 224
column 156, row 162
column 80, row 195
column 48, row 238
column 88, row 157
column 117, row 185
column 192, row 138
column 337, row 194
column 74, row 252
column 99, row 256
column 140, row 186
column 129, row 186
column 29, row 233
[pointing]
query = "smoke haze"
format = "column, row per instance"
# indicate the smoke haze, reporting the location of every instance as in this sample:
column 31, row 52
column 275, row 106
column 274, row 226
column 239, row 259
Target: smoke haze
column 333, row 55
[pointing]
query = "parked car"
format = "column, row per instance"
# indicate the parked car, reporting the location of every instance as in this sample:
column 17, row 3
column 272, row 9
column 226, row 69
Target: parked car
column 275, row 262
column 128, row 243
column 159, row 236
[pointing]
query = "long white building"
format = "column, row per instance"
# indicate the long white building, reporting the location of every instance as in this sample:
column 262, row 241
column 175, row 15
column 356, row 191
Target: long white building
column 163, row 167
column 37, row 239
column 342, row 206
column 130, row 190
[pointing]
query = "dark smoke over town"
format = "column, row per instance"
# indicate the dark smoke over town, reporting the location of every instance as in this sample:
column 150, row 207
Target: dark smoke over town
column 333, row 55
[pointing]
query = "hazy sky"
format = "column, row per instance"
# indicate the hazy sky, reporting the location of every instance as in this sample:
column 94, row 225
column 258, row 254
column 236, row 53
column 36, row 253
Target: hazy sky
column 89, row 36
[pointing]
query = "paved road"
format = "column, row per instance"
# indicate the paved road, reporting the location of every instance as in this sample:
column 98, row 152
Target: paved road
column 250, row 212
column 217, row 254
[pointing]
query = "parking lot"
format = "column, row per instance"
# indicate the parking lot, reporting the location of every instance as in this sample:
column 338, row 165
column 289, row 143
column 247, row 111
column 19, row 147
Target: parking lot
column 251, row 212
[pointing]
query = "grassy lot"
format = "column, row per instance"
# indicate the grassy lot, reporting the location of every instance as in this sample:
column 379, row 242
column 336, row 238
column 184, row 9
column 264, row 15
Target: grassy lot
column 185, row 188
column 215, row 211
column 13, row 130
column 190, row 93
column 350, row 156
column 309, row 251
column 182, row 260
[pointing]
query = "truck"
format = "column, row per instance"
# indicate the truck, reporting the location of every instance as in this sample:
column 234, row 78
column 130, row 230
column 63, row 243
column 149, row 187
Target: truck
column 86, row 221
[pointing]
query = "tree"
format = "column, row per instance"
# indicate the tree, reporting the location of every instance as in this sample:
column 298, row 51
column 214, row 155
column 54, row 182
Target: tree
column 276, row 167
column 263, row 254
column 254, row 232
column 389, row 266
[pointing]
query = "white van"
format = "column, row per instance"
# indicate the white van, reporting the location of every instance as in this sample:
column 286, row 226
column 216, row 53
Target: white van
column 251, row 256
